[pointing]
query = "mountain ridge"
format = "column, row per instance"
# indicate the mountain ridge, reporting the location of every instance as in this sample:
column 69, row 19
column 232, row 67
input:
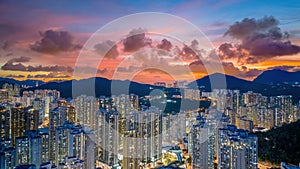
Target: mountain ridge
column 278, row 76
column 104, row 87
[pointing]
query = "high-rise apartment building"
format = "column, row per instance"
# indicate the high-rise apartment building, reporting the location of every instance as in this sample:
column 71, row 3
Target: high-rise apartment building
column 237, row 149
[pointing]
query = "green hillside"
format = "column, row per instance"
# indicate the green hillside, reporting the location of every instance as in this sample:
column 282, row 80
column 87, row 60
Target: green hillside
column 280, row 144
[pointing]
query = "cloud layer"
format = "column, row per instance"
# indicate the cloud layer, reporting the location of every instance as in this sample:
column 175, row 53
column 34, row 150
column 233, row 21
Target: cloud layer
column 53, row 42
column 16, row 64
column 135, row 40
column 259, row 40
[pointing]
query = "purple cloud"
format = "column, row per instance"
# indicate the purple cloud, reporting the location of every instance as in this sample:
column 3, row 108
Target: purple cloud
column 135, row 40
column 53, row 42
column 260, row 39
column 110, row 47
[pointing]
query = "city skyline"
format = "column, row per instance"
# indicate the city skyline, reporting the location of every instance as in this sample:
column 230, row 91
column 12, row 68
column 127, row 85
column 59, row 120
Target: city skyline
column 42, row 40
column 149, row 84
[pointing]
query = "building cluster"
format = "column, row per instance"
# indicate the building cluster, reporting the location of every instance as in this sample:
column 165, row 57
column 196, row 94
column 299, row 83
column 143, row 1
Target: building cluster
column 168, row 85
column 41, row 130
column 214, row 143
column 253, row 111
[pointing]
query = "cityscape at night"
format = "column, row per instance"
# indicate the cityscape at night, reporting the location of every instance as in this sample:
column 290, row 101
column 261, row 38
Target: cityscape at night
column 150, row 84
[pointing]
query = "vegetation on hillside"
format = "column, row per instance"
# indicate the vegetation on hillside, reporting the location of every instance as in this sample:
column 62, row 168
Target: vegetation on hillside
column 280, row 144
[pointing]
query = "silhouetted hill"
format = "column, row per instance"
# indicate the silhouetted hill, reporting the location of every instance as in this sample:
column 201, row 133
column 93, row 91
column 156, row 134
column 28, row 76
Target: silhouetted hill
column 97, row 86
column 221, row 81
column 25, row 82
column 103, row 86
column 277, row 76
column 280, row 144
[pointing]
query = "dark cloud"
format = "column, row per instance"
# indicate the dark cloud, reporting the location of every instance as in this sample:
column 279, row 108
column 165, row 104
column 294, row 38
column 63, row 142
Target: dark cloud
column 20, row 67
column 53, row 42
column 260, row 39
column 55, row 68
column 190, row 52
column 229, row 68
column 7, row 45
column 14, row 67
column 165, row 45
column 135, row 40
column 9, row 54
column 102, row 71
column 50, row 75
column 21, row 59
column 108, row 49
column 198, row 66
column 231, row 51
column 285, row 68
column 90, row 70
column 15, row 76
column 269, row 48
column 247, row 28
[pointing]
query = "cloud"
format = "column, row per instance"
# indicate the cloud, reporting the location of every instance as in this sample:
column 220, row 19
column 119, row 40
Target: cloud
column 165, row 45
column 229, row 68
column 20, row 67
column 14, row 67
column 15, row 64
column 135, row 40
column 190, row 52
column 15, row 76
column 21, row 59
column 53, row 42
column 50, row 75
column 259, row 40
column 108, row 49
column 285, row 68
column 129, row 69
column 7, row 45
column 231, row 51
column 90, row 70
column 102, row 71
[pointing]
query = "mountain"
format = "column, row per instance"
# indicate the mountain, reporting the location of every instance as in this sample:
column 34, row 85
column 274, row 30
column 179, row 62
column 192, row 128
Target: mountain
column 100, row 86
column 277, row 76
column 25, row 82
column 221, row 81
column 97, row 86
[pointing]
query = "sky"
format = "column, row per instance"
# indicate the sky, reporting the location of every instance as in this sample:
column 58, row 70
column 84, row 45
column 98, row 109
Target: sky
column 183, row 40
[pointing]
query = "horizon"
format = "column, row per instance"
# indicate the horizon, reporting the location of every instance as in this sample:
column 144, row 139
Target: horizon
column 168, row 82
column 31, row 49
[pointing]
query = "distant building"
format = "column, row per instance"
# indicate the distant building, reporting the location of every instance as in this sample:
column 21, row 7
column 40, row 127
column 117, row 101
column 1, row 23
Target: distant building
column 57, row 117
column 8, row 158
column 29, row 148
column 107, row 138
column 237, row 149
column 86, row 108
column 162, row 84
column 5, row 121
column 192, row 94
column 4, row 95
column 202, row 144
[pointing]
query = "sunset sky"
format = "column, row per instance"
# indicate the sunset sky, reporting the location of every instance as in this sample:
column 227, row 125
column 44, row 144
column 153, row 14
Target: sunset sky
column 43, row 39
